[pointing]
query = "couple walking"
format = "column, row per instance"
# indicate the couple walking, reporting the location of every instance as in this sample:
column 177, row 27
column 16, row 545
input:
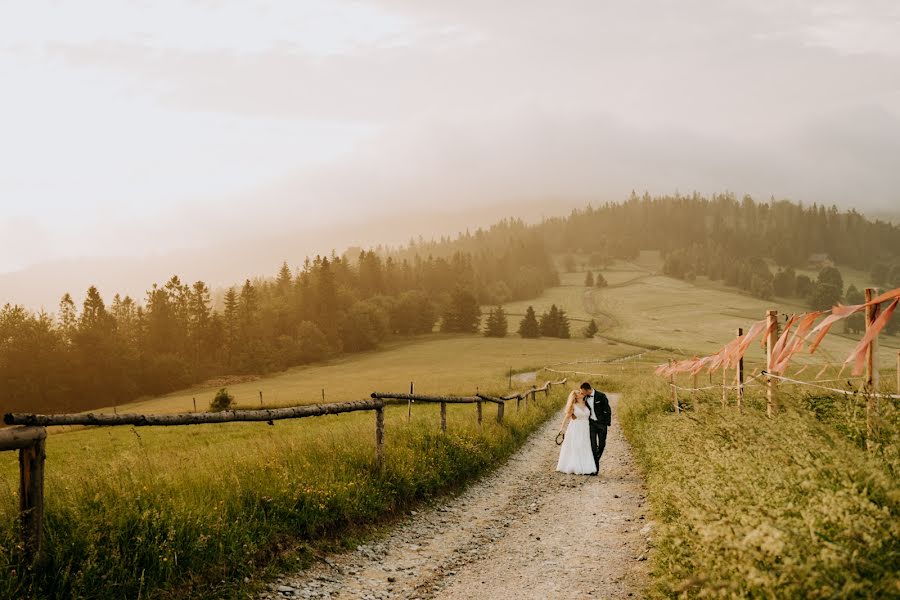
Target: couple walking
column 584, row 431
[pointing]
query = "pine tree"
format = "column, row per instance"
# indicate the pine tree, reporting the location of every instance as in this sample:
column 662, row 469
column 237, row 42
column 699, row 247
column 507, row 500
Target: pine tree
column 528, row 327
column 591, row 330
column 231, row 325
column 199, row 318
column 589, row 279
column 462, row 314
column 502, row 322
column 68, row 318
column 562, row 325
column 855, row 323
column 496, row 324
column 600, row 281
column 490, row 323
column 284, row 280
column 549, row 322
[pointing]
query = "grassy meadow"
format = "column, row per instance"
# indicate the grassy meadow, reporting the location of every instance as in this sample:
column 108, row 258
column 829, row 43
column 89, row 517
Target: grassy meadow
column 159, row 512
column 437, row 364
column 655, row 311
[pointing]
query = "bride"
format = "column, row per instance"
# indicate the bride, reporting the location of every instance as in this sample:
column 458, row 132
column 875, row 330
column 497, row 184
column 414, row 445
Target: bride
column 575, row 455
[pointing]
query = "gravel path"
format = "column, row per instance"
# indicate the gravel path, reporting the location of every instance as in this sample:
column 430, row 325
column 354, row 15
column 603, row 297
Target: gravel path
column 524, row 531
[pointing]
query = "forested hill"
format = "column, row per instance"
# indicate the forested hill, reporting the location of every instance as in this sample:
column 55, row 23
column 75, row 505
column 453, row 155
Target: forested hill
column 101, row 352
column 785, row 232
column 754, row 246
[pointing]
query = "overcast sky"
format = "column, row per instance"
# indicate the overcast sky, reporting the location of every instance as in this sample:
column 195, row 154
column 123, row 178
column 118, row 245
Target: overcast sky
column 141, row 128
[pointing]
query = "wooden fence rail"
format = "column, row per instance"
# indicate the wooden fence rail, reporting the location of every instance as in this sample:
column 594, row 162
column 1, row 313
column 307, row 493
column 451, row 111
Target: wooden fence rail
column 29, row 436
column 226, row 416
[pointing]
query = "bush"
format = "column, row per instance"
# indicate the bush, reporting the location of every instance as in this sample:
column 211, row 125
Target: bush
column 222, row 401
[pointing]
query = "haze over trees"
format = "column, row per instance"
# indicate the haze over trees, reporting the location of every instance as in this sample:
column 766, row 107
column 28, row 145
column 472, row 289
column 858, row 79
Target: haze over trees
column 99, row 354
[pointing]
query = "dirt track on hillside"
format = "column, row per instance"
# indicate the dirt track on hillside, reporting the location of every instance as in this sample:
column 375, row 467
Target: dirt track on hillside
column 524, row 531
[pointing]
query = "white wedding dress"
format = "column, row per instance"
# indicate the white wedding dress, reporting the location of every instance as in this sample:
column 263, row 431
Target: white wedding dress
column 575, row 455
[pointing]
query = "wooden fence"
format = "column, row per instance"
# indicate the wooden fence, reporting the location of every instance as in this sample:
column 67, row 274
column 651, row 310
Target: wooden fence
column 28, row 435
column 771, row 379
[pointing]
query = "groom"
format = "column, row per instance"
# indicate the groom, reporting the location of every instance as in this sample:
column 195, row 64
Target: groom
column 601, row 418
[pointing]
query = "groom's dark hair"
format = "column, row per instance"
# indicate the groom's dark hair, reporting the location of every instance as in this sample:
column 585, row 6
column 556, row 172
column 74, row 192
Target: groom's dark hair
column 586, row 386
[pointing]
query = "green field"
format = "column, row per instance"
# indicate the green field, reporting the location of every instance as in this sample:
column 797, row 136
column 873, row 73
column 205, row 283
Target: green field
column 436, row 364
column 191, row 511
column 648, row 310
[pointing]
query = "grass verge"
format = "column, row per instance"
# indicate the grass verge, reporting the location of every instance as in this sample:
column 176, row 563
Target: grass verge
column 790, row 507
column 191, row 513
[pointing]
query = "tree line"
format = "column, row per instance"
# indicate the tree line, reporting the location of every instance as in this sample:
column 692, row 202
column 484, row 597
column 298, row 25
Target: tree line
column 94, row 353
column 98, row 353
column 757, row 247
column 785, row 232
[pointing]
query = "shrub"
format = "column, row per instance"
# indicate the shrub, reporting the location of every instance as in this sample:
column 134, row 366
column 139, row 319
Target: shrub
column 222, row 401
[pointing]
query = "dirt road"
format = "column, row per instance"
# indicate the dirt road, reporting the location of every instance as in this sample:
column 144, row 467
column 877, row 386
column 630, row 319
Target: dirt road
column 524, row 531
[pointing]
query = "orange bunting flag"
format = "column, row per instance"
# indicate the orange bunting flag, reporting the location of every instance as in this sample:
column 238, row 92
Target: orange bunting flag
column 783, row 358
column 791, row 341
column 837, row 313
column 859, row 353
column 891, row 295
column 778, row 348
column 727, row 357
column 842, row 312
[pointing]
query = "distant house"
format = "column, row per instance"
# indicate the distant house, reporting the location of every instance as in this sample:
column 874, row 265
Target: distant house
column 820, row 260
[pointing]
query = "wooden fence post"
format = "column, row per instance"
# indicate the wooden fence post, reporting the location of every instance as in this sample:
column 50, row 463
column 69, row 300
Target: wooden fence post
column 195, row 404
column 409, row 403
column 871, row 374
column 518, row 401
column 478, row 413
column 724, row 387
column 379, row 437
column 260, row 398
column 673, row 390
column 500, row 408
column 31, row 498
column 443, row 417
column 771, row 338
column 694, row 383
column 740, row 377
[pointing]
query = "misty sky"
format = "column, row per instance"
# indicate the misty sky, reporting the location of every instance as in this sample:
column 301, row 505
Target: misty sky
column 132, row 128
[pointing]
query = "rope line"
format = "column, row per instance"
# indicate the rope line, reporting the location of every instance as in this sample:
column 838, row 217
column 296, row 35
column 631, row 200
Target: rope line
column 830, row 389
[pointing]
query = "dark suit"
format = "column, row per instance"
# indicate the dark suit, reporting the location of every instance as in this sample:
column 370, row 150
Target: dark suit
column 603, row 414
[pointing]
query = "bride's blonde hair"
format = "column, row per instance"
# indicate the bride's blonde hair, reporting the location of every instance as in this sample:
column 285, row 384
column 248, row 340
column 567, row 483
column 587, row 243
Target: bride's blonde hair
column 570, row 404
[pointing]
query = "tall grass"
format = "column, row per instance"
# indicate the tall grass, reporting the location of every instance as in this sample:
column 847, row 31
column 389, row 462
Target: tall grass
column 190, row 512
column 790, row 507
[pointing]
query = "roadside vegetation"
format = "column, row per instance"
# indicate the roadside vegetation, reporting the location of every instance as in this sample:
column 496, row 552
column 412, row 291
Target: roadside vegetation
column 164, row 512
column 789, row 507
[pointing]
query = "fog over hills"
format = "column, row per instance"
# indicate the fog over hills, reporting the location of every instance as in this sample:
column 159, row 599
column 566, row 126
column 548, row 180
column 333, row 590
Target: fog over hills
column 216, row 139
column 242, row 255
